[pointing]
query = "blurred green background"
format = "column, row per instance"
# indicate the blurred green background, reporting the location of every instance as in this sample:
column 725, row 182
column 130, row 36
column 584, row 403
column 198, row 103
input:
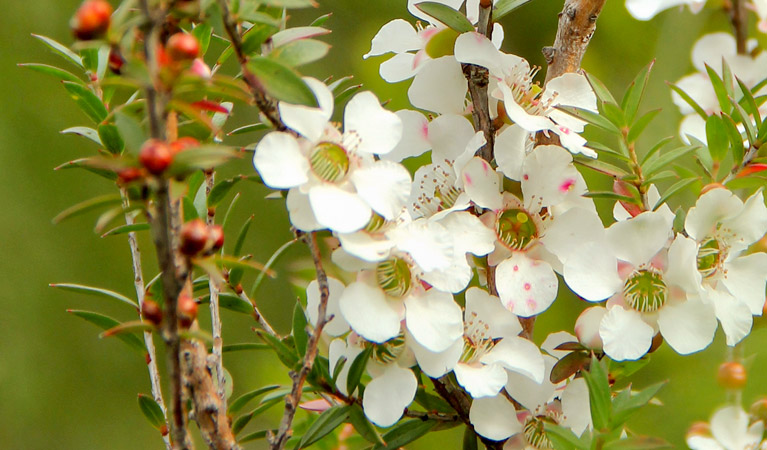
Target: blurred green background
column 63, row 388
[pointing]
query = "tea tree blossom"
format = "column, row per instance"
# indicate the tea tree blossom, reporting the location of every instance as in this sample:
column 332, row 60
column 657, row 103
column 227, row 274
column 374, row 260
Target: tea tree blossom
column 730, row 430
column 647, row 9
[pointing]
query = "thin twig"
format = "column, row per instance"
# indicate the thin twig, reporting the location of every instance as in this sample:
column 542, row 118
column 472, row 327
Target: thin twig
column 263, row 102
column 215, row 312
column 736, row 9
column 257, row 313
column 291, row 401
column 138, row 282
column 439, row 417
column 478, row 80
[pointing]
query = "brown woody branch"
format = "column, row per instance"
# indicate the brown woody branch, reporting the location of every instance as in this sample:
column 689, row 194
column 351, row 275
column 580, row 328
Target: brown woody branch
column 263, row 102
column 461, row 403
column 478, row 79
column 736, row 10
column 577, row 23
column 278, row 441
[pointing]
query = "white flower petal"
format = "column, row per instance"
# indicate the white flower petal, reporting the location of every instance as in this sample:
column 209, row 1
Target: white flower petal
column 481, row 182
column 348, row 262
column 429, row 243
column 713, row 207
column 526, row 286
column 571, row 229
column 338, row 209
column 300, row 211
column 529, row 393
column 439, row 86
column 482, row 380
column 494, row 418
column 482, row 306
column 309, row 122
column 475, row 48
column 518, row 355
column 729, row 426
column 449, row 134
column 751, row 224
column 434, row 319
column 638, row 239
column 587, row 327
column 369, row 313
column 469, row 234
column 745, row 279
column 548, row 175
column 415, row 136
column 280, row 162
column 453, row 278
column 387, row 396
column 591, row 271
column 366, row 246
column 510, row 151
column 336, row 350
column 682, row 268
column 687, row 326
column 436, row 364
column 411, row 6
column 576, row 406
column 399, row 67
column 384, row 185
column 697, row 442
column 518, row 114
column 397, row 36
column 624, row 334
column 647, row 9
column 337, row 325
column 553, row 340
column 570, row 89
column 379, row 130
column 734, row 315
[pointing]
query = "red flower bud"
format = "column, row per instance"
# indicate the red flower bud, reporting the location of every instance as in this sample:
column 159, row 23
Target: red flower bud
column 156, row 156
column 621, row 187
column 129, row 175
column 731, row 375
column 184, row 143
column 216, row 236
column 182, row 47
column 151, row 311
column 92, row 19
column 194, row 237
column 187, row 309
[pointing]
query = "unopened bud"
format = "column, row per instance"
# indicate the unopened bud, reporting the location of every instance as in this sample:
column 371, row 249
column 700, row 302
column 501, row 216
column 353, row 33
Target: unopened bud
column 732, row 375
column 200, row 69
column 587, row 327
column 182, row 47
column 194, row 237
column 699, row 429
column 91, row 19
column 216, row 236
column 183, row 143
column 129, row 175
column 151, row 311
column 156, row 156
column 187, row 309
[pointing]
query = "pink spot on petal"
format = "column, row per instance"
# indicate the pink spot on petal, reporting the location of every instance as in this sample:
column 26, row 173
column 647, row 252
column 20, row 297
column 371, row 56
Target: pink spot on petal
column 425, row 130
column 467, row 179
column 485, row 167
column 567, row 185
column 525, row 177
column 527, row 286
column 531, row 304
column 565, row 130
column 516, row 268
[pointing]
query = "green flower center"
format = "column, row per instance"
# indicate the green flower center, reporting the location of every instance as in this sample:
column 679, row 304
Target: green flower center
column 393, row 276
column 389, row 351
column 645, row 291
column 329, row 161
column 516, row 229
column 447, row 196
column 535, row 433
column 375, row 224
column 710, row 255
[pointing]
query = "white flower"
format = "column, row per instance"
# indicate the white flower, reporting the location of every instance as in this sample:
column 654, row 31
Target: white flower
column 335, row 174
column 647, row 9
column 489, row 348
column 760, row 9
column 730, row 430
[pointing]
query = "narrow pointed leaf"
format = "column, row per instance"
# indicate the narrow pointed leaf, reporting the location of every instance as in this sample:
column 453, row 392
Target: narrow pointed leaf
column 564, row 437
column 240, row 402
column 591, row 118
column 244, row 346
column 105, row 322
column 666, row 159
column 299, row 329
column 569, row 365
column 602, row 167
column 601, row 91
column 97, row 292
column 749, row 103
column 357, row 369
column 640, row 125
column 447, row 15
column 237, row 250
column 232, row 303
column 363, row 426
column 638, row 443
column 85, row 132
column 151, row 410
column 504, row 7
column 719, row 89
column 244, row 419
column 735, row 138
column 634, row 93
column 300, row 52
column 625, row 406
column 61, row 50
column 286, row 355
column 88, row 102
column 280, row 82
column 599, row 394
column 56, row 72
column 717, row 138
column 324, row 425
column 405, row 433
column 248, row 129
column 740, row 114
column 122, row 229
column 256, row 435
column 110, row 137
column 689, row 100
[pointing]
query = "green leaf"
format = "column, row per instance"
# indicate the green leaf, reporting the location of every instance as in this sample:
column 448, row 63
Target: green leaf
column 719, row 89
column 591, row 118
column 736, row 139
column 503, row 7
column 689, row 100
column 61, row 74
column 299, row 329
column 296, row 34
column 405, row 433
column 357, row 369
column 569, row 365
column 717, row 137
column 676, row 187
column 601, row 91
column 740, row 115
column 564, row 438
column 190, row 212
column 363, row 426
column 613, row 113
column 602, row 167
column 134, row 326
column 447, row 15
column 88, row 205
column 110, row 137
column 749, row 103
column 220, row 190
column 432, row 402
column 256, row 435
column 87, row 101
column 666, row 159
column 252, row 128
column 232, row 303
column 324, row 425
column 469, row 439
column 289, row 3
column 105, row 323
column 300, row 52
column 252, row 40
column 272, row 259
column 319, row 21
column 203, row 157
column 635, row 92
column 237, row 404
column 599, row 394
column 655, row 148
column 152, row 411
column 60, row 50
column 638, row 443
column 122, row 229
column 96, row 291
column 280, row 82
column 610, row 195
column 624, row 406
column 286, row 355
column 88, row 133
column 241, row 236
column 244, row 419
column 203, row 32
column 640, row 125
column 624, row 369
column 244, row 346
column 131, row 131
